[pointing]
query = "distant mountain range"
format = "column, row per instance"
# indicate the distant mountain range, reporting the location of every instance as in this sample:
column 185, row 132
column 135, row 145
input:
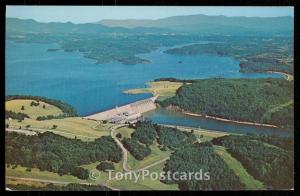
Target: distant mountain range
column 212, row 24
column 15, row 25
column 193, row 24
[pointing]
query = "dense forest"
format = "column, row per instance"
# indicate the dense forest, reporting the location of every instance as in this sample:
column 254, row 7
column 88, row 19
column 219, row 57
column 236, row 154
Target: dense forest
column 67, row 109
column 173, row 138
column 55, row 153
column 256, row 54
column 52, row 187
column 268, row 101
column 104, row 166
column 145, row 133
column 138, row 151
column 286, row 143
column 266, row 162
column 193, row 158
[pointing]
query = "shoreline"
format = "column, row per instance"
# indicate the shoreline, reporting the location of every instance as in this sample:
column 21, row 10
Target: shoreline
column 228, row 120
column 178, row 109
column 288, row 77
column 197, row 129
column 192, row 114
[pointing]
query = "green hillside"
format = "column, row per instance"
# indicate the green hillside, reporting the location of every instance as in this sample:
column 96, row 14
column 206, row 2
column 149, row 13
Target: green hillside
column 204, row 24
column 268, row 101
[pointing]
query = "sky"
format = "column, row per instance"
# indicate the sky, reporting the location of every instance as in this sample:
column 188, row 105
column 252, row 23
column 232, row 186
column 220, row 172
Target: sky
column 85, row 14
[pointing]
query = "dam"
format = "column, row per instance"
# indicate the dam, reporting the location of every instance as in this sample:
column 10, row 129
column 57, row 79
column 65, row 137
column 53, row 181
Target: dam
column 126, row 113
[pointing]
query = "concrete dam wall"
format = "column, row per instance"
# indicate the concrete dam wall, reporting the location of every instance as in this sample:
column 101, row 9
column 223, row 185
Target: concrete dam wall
column 127, row 112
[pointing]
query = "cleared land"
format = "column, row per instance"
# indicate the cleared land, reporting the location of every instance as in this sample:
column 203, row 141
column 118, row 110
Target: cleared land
column 163, row 89
column 276, row 109
column 237, row 167
column 100, row 177
column 124, row 131
column 144, row 184
column 156, row 155
column 38, row 174
column 69, row 127
column 15, row 181
column 32, row 111
column 202, row 134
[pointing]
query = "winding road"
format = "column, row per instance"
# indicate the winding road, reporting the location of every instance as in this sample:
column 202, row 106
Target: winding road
column 125, row 157
column 125, row 153
column 112, row 133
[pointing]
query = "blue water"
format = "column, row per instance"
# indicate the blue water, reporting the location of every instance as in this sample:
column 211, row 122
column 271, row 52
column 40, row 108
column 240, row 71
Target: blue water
column 162, row 116
column 91, row 88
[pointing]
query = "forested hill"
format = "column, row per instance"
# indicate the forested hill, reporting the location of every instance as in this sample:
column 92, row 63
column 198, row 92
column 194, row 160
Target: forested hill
column 268, row 101
column 193, row 24
column 21, row 26
column 204, row 24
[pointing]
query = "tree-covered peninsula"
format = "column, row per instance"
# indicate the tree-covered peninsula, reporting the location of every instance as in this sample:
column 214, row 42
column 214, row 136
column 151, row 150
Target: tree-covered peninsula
column 266, row 101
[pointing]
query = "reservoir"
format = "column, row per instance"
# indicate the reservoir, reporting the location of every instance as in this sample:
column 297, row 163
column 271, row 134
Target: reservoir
column 32, row 70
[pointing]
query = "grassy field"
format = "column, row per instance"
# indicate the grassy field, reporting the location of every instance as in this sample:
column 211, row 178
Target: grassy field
column 239, row 170
column 9, row 181
column 144, row 184
column 202, row 134
column 69, row 127
column 125, row 132
column 164, row 89
column 32, row 111
column 156, row 155
column 267, row 115
column 38, row 174
column 100, row 176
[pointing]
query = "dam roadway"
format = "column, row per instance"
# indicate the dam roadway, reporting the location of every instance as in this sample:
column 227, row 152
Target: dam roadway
column 128, row 112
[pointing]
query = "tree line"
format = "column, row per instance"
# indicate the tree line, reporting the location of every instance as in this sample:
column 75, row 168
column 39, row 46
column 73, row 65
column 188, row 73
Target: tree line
column 253, row 100
column 19, row 116
column 263, row 158
column 197, row 157
column 67, row 109
column 137, row 150
column 55, row 153
column 52, row 187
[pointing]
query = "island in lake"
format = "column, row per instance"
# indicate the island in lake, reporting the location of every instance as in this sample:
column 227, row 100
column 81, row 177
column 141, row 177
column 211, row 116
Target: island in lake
column 89, row 102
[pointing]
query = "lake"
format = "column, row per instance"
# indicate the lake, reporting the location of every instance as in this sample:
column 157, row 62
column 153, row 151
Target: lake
column 31, row 69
